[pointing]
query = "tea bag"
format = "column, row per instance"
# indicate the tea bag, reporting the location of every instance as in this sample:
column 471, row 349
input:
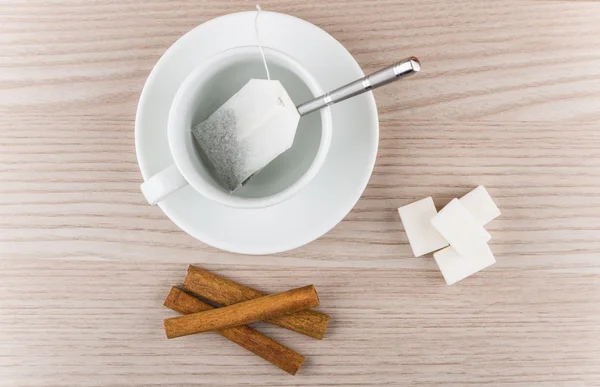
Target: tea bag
column 246, row 133
column 251, row 129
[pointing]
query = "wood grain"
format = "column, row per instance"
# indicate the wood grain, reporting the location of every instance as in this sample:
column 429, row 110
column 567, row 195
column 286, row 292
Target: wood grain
column 509, row 97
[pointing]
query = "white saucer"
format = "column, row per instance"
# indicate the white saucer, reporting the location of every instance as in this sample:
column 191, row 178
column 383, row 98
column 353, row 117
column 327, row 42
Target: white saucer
column 332, row 193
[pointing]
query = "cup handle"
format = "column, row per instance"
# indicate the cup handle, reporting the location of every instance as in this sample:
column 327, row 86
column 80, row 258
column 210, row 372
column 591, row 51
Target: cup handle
column 162, row 184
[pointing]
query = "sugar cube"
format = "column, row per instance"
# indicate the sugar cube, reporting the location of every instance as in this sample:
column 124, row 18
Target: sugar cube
column 462, row 231
column 416, row 218
column 481, row 205
column 455, row 267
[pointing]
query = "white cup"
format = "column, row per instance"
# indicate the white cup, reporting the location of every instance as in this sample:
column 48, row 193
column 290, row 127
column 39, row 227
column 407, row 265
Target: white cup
column 209, row 86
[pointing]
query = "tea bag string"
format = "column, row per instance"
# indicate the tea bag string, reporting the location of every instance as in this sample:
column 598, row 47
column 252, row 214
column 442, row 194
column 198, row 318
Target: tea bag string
column 260, row 47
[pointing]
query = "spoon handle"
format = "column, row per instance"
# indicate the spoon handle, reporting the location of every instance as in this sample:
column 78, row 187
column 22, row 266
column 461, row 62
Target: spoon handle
column 379, row 78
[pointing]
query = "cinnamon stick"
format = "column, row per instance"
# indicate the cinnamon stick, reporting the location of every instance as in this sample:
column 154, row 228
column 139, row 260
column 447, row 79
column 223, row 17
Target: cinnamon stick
column 246, row 337
column 245, row 312
column 227, row 292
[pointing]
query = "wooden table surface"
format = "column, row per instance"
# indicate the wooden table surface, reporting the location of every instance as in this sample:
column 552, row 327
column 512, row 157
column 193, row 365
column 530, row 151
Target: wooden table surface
column 509, row 98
